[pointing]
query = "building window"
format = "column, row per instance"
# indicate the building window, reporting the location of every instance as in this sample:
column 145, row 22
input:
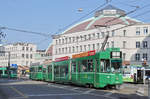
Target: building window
column 77, row 49
column 27, row 48
column 73, row 49
column 81, row 38
column 59, row 50
column 85, row 37
column 56, row 42
column 93, row 35
column 77, row 38
column 84, row 47
column 73, row 39
column 112, row 44
column 103, row 34
column 69, row 49
column 98, row 46
column 124, row 56
column 107, row 44
column 22, row 55
column 62, row 41
column 70, row 39
column 145, row 30
column 138, row 31
column 80, row 48
column 56, row 51
column 27, row 63
column 145, row 44
column 89, row 36
column 31, row 49
column 145, row 56
column 98, row 35
column 93, row 46
column 59, row 41
column 89, row 47
column 124, row 32
column 31, row 56
column 63, row 50
column 23, row 48
column 124, row 44
column 113, row 33
column 27, row 56
column 137, row 56
column 66, row 50
column 137, row 44
column 108, row 33
column 66, row 40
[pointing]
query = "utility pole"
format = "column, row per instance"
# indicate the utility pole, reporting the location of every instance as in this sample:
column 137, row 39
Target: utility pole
column 8, row 64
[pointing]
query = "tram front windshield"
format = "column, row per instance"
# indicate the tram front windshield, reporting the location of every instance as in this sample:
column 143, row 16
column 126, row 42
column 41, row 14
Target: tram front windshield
column 116, row 66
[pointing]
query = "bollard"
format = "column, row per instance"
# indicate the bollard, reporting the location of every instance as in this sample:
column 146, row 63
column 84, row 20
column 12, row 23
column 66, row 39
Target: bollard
column 148, row 88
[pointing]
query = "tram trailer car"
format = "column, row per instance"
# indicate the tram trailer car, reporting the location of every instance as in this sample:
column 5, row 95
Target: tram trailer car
column 48, row 72
column 36, row 72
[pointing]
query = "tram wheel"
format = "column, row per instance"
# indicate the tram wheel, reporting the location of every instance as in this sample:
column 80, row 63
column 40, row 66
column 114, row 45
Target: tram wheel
column 117, row 87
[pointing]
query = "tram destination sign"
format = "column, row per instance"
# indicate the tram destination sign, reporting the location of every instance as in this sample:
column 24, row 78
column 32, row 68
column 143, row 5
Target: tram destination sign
column 61, row 59
column 84, row 54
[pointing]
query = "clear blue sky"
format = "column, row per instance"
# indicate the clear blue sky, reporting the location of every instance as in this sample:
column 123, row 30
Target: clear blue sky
column 48, row 16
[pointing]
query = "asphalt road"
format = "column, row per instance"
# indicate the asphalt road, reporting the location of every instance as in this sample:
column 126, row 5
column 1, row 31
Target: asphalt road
column 27, row 89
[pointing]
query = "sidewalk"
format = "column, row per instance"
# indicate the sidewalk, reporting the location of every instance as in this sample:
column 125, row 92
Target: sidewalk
column 129, row 88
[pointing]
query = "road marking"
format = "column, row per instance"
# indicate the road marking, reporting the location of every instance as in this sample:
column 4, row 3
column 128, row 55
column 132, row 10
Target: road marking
column 33, row 95
column 19, row 92
column 108, row 94
column 101, row 96
column 139, row 94
column 86, row 92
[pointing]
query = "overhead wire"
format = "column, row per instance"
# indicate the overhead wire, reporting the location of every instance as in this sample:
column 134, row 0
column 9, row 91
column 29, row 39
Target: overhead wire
column 26, row 31
column 137, row 9
column 74, row 22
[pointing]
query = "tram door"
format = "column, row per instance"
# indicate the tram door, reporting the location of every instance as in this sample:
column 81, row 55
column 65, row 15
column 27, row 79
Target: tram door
column 140, row 75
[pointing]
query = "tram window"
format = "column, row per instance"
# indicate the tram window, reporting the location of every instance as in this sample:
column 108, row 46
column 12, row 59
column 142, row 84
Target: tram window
column 105, row 66
column 97, row 66
column 56, row 70
column 116, row 65
column 73, row 66
column 86, row 66
column 66, row 70
column 6, row 72
column 90, row 65
column 1, row 71
column 44, row 70
column 49, row 69
column 62, row 71
column 39, row 69
column 83, row 66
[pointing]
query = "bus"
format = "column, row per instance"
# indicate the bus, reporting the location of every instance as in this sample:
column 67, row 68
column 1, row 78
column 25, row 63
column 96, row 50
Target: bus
column 133, row 74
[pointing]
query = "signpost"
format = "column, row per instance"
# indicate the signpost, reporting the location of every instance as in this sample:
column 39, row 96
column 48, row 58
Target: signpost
column 14, row 65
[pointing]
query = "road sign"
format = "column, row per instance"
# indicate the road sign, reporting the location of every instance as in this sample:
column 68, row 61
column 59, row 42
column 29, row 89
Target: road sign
column 14, row 65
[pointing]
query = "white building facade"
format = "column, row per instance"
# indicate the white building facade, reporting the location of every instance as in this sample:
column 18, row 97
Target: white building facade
column 20, row 53
column 130, row 35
